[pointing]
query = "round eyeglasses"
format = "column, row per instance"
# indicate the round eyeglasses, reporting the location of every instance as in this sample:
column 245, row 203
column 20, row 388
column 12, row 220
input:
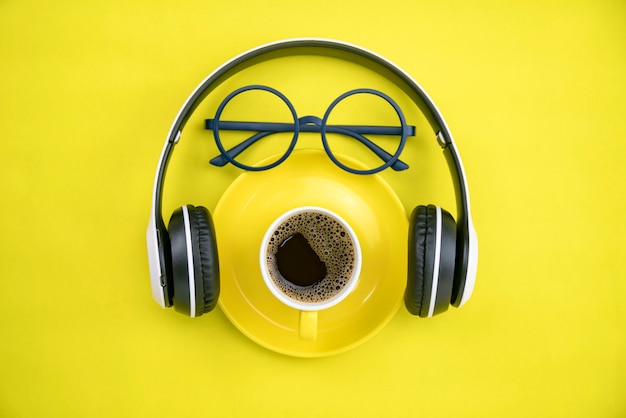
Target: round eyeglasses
column 311, row 124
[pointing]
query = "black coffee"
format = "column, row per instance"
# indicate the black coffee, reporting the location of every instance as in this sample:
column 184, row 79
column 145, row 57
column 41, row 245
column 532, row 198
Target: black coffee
column 298, row 263
column 310, row 256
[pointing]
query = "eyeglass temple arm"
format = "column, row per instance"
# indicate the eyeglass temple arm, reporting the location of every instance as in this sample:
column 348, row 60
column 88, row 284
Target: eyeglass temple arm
column 221, row 160
column 310, row 124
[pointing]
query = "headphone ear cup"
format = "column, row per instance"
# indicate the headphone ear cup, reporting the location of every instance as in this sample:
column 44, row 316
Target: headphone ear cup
column 209, row 261
column 431, row 261
column 195, row 265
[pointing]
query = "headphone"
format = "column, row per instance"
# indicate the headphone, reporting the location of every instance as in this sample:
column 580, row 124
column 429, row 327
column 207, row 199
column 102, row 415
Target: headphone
column 442, row 252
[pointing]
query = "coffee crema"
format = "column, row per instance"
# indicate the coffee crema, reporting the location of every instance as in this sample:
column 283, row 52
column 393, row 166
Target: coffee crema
column 310, row 257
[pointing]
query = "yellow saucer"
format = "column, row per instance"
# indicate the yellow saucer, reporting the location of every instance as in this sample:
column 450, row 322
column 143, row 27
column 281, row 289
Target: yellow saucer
column 309, row 178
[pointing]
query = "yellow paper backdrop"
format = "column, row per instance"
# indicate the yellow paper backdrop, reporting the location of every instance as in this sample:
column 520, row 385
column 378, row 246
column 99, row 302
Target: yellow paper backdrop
column 534, row 93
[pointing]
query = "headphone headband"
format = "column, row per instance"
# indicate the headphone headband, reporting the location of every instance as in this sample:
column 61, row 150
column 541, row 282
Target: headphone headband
column 467, row 245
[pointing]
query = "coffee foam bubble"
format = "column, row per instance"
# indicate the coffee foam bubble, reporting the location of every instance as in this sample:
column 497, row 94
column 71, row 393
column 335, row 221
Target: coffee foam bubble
column 332, row 244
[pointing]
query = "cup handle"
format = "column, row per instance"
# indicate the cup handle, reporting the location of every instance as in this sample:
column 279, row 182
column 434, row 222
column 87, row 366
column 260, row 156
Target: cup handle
column 308, row 325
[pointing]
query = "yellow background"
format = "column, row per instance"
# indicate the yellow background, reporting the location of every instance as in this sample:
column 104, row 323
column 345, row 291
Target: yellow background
column 534, row 93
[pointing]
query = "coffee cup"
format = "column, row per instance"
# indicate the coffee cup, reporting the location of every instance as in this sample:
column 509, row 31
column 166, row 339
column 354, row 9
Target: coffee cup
column 310, row 260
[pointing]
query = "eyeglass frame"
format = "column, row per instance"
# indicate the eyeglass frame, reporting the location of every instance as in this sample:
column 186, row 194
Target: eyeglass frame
column 392, row 161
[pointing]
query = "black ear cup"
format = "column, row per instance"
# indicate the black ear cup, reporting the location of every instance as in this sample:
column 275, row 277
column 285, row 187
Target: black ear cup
column 195, row 265
column 431, row 258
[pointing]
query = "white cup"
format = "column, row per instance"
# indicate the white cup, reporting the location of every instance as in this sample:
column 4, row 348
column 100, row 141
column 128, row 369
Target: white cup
column 334, row 243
